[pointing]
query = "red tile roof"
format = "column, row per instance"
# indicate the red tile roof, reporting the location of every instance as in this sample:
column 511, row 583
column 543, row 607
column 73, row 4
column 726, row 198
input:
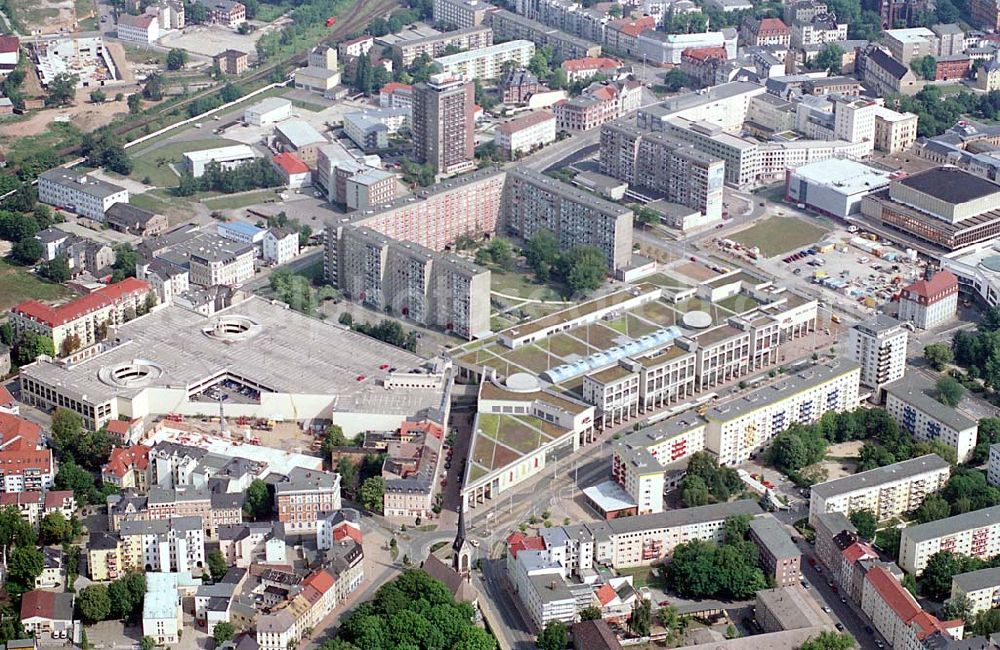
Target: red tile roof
column 525, row 121
column 858, row 551
column 119, row 427
column 346, row 530
column 20, row 498
column 395, row 86
column 291, row 163
column 13, row 462
column 605, row 594
column 772, row 25
column 524, row 543
column 6, row 399
column 590, row 63
column 38, row 603
column 903, row 604
column 321, row 581
column 56, row 498
column 940, row 282
column 638, row 26
column 9, row 44
column 55, row 316
column 15, row 429
column 123, row 459
column 704, row 53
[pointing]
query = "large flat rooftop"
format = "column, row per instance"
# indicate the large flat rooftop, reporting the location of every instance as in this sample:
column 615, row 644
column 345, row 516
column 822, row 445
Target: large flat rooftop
column 278, row 348
column 951, row 185
column 906, row 469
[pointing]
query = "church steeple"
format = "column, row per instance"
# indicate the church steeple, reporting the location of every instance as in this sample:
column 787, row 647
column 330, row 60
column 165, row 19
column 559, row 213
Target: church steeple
column 461, row 558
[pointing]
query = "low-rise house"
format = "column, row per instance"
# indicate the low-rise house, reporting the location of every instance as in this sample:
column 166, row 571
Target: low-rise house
column 47, row 612
column 294, row 173
column 135, row 221
column 525, row 133
column 53, row 571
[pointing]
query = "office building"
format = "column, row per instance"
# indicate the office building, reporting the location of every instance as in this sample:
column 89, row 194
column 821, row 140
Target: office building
column 742, row 427
column 913, row 404
column 443, row 124
column 834, row 187
column 930, row 301
column 534, row 202
column 84, row 195
column 905, row 45
column 369, row 189
column 143, row 28
column 886, row 492
column 878, row 345
column 976, row 534
column 894, row 131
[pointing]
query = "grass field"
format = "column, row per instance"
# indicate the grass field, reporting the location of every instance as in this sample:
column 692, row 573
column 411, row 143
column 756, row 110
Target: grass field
column 17, row 284
column 512, row 283
column 136, row 54
column 154, row 164
column 778, row 235
column 240, row 200
column 171, row 206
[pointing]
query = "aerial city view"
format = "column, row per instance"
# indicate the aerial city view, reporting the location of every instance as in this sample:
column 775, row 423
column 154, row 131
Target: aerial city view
column 499, row 324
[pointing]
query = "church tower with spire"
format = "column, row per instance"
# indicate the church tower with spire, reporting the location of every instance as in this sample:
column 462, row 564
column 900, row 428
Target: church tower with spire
column 461, row 558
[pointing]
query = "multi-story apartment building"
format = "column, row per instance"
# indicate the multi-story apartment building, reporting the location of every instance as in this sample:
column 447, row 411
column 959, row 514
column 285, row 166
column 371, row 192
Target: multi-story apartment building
column 395, row 95
column 443, row 123
column 976, row 534
column 982, row 588
column 767, row 31
column 830, row 527
column 229, row 263
column 304, row 497
column 35, row 505
column 820, row 30
column 488, row 62
column 463, row 14
column 369, row 189
column 525, row 133
column 280, row 245
column 79, row 323
column 357, row 46
column 878, row 345
column 646, row 462
column 985, row 14
column 212, row 509
column 931, row 301
column 84, row 195
column 655, row 164
column 127, row 468
column 666, row 376
column 225, row 12
column 779, row 557
column 599, row 103
column 232, row 62
column 471, row 38
column 883, row 74
column 894, row 131
column 170, row 545
column 144, row 28
column 410, row 471
column 886, row 492
column 401, row 277
column 912, row 404
column 911, row 43
column 511, row 26
column 741, row 427
column 897, row 616
column 534, row 203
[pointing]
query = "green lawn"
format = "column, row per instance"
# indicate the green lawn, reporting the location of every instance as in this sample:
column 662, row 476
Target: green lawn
column 18, row 283
column 307, row 106
column 521, row 285
column 240, row 200
column 777, row 235
column 269, row 12
column 154, row 163
column 161, row 203
column 137, row 54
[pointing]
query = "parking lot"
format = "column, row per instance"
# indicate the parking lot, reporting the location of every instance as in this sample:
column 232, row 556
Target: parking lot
column 229, row 391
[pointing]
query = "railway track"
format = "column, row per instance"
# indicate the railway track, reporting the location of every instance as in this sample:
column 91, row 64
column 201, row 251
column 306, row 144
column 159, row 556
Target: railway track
column 354, row 20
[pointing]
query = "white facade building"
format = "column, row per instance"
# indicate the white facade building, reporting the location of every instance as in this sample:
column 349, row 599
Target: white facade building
column 167, row 545
column 84, row 195
column 911, row 404
column 227, row 157
column 886, row 491
column 268, row 111
column 487, row 62
column 976, row 534
column 144, row 28
column 982, row 588
column 525, row 133
column 931, row 301
column 280, row 245
column 834, row 187
column 879, row 346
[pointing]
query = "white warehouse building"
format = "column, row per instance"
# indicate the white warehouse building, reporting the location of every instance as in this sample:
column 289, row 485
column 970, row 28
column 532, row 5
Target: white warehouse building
column 834, row 186
column 268, row 111
column 227, row 157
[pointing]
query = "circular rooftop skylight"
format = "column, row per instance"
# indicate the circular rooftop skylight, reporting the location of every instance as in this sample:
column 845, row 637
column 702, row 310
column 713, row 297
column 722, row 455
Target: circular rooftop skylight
column 522, row 382
column 132, row 374
column 992, row 263
column 697, row 320
column 231, row 328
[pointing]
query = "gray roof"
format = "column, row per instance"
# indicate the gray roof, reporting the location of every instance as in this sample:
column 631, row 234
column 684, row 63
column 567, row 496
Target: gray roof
column 565, row 191
column 774, row 537
column 780, row 390
column 128, row 215
column 916, row 391
column 881, row 475
column 976, row 580
column 90, row 185
column 877, row 324
column 303, row 480
column 550, row 587
column 951, row 525
column 300, row 133
column 836, row 522
column 683, row 517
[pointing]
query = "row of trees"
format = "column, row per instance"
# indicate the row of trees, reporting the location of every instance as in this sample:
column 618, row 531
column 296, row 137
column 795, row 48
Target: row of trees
column 387, row 331
column 701, row 569
column 581, row 268
column 252, row 175
column 938, row 112
column 412, row 611
column 103, row 149
column 120, row 600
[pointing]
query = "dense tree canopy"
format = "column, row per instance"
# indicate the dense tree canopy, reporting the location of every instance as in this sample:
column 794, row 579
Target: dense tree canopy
column 700, row 569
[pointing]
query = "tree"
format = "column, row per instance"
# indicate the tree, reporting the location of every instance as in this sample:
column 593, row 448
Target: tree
column 258, row 504
column 176, row 58
column 14, row 529
column 333, row 438
column 217, row 566
column 592, row 613
column 98, row 96
column 641, row 617
column 830, row 58
column 66, row 427
column 134, row 103
column 935, row 582
column 676, row 79
column 29, row 345
column 584, row 268
column 153, row 90
column 24, row 565
column 73, row 477
column 865, row 522
column 987, row 622
column 62, row 89
column 933, row 508
column 938, row 355
column 644, row 216
column 223, row 632
column 553, row 637
column 27, row 251
column 56, row 270
column 887, row 539
column 93, row 603
column 694, row 492
column 924, row 67
column 54, row 528
column 371, row 493
column 147, row 643
column 828, row 640
column 949, row 391
column 958, row 607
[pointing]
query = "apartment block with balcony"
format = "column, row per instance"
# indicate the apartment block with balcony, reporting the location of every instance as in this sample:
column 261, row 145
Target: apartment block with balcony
column 879, row 346
column 981, row 587
column 886, row 492
column 779, row 556
column 976, row 534
column 912, row 403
